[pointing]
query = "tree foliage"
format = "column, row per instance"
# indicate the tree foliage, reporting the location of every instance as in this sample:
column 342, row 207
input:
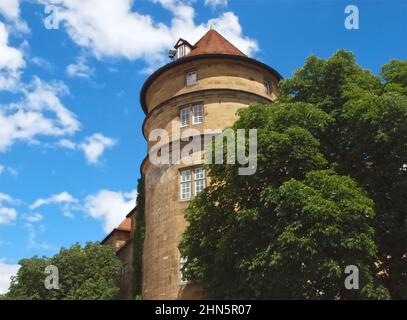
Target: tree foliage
column 329, row 191
column 85, row 273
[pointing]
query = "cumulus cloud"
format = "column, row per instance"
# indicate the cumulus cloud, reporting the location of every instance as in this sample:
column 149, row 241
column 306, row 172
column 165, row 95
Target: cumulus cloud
column 6, row 272
column 216, row 3
column 79, row 69
column 10, row 9
column 39, row 113
column 33, row 217
column 8, row 170
column 60, row 198
column 11, row 61
column 95, row 145
column 110, row 206
column 67, row 144
column 111, row 28
column 7, row 214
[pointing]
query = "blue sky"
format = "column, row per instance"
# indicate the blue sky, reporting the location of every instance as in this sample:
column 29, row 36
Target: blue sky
column 70, row 119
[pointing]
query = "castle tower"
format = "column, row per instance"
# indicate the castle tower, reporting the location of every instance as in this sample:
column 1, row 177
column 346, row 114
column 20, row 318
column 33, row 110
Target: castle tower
column 203, row 88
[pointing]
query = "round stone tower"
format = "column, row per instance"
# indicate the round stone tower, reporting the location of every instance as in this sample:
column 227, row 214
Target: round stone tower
column 203, row 88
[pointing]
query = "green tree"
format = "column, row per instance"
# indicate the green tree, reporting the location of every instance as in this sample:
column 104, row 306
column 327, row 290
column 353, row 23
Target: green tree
column 85, row 273
column 290, row 229
column 368, row 141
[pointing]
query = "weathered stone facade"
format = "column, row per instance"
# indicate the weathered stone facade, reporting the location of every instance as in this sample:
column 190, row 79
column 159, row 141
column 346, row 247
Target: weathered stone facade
column 225, row 84
column 226, row 81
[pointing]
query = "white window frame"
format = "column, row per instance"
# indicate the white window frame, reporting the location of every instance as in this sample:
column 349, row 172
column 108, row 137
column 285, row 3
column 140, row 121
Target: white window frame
column 185, row 182
column 198, row 179
column 181, row 51
column 192, row 78
column 267, row 87
column 197, row 118
column 184, row 117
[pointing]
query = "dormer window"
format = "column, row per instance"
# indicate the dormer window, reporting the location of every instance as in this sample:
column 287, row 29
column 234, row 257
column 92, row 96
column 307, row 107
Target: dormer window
column 182, row 48
column 181, row 51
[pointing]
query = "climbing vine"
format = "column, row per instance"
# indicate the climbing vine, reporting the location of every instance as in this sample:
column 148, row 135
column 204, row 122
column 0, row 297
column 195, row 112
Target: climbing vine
column 138, row 239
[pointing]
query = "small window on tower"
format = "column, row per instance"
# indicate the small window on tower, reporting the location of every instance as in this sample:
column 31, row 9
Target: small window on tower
column 267, row 87
column 199, row 180
column 197, row 114
column 186, row 185
column 184, row 116
column 191, row 78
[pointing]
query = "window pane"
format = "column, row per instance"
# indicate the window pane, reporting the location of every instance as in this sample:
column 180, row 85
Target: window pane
column 186, row 184
column 197, row 114
column 199, row 180
column 184, row 117
column 185, row 190
column 199, row 173
column 191, row 78
column 185, row 175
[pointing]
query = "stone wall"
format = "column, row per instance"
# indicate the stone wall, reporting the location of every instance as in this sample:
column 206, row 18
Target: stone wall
column 223, row 87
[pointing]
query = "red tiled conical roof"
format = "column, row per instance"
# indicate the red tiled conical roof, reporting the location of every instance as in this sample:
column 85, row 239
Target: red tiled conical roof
column 213, row 42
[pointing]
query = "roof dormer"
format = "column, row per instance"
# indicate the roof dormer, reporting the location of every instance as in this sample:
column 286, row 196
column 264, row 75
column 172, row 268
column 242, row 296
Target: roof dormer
column 182, row 48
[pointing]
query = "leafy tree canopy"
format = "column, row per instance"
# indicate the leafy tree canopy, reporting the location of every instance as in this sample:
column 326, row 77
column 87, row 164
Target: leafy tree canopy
column 85, row 273
column 329, row 191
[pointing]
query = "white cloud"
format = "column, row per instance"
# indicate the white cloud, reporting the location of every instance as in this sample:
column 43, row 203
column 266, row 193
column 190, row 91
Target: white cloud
column 42, row 63
column 39, row 113
column 9, row 170
column 67, row 144
column 216, row 3
column 111, row 28
column 95, row 145
column 5, row 198
column 10, row 9
column 7, row 214
column 79, row 69
column 109, row 206
column 33, row 243
column 6, row 272
column 11, row 61
column 33, row 217
column 61, row 198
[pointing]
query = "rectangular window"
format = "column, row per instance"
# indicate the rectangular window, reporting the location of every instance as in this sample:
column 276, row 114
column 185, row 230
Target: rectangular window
column 184, row 115
column 267, row 87
column 199, row 180
column 197, row 114
column 191, row 78
column 182, row 262
column 181, row 51
column 186, row 185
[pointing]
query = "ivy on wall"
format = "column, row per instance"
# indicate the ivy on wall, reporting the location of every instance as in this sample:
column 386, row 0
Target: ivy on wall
column 139, row 234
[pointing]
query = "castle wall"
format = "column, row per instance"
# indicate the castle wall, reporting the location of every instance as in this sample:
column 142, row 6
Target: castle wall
column 223, row 87
column 212, row 74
